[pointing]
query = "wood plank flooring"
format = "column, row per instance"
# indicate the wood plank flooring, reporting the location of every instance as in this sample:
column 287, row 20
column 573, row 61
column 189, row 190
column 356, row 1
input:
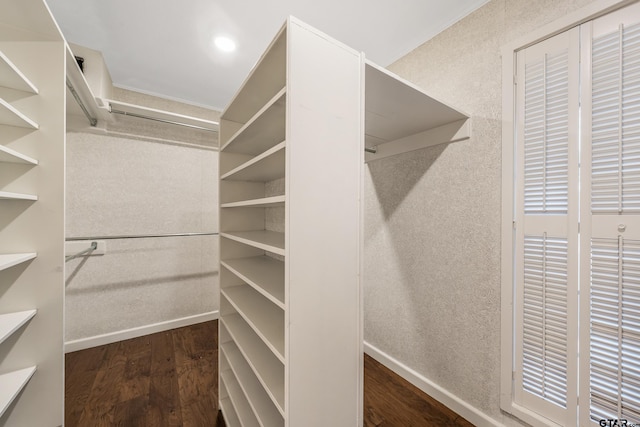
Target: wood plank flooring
column 170, row 379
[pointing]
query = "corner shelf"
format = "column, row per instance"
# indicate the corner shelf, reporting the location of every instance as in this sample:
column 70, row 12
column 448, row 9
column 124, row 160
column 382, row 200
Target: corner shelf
column 266, row 202
column 12, row 117
column 9, row 260
column 401, row 117
column 265, row 409
column 11, row 385
column 12, row 77
column 264, row 273
column 7, row 155
column 267, row 166
column 270, row 241
column 17, row 196
column 11, row 322
column 267, row 320
column 268, row 369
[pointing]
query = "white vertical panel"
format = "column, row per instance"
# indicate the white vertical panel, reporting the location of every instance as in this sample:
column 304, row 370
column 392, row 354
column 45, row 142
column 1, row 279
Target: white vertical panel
column 325, row 157
column 546, row 262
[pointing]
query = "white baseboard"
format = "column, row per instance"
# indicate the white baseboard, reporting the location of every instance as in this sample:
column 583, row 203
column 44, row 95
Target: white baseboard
column 95, row 341
column 453, row 402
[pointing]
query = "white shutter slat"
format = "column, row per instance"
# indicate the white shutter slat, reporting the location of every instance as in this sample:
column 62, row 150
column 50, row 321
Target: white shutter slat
column 616, row 122
column 615, row 328
column 548, row 110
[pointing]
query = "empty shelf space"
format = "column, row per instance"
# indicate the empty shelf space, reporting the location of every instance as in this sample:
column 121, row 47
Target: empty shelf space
column 266, row 202
column 268, row 413
column 265, row 167
column 7, row 155
column 245, row 413
column 11, row 322
column 11, row 385
column 16, row 196
column 12, row 77
column 229, row 412
column 12, row 117
column 9, row 260
column 264, row 273
column 263, row 131
column 270, row 241
column 266, row 78
column 268, row 369
column 266, row 319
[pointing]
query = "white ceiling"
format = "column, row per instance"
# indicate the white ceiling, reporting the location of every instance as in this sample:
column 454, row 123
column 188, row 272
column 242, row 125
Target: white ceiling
column 164, row 47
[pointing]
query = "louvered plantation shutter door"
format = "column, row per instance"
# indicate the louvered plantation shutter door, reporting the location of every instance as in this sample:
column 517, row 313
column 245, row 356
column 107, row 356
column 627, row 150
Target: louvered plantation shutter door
column 610, row 320
column 546, row 211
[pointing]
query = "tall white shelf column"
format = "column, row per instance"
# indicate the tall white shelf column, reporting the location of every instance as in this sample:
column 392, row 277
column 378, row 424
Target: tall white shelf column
column 292, row 147
column 32, row 134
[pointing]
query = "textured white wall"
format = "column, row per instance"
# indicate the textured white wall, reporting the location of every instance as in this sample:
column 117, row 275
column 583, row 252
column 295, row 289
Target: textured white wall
column 142, row 177
column 432, row 217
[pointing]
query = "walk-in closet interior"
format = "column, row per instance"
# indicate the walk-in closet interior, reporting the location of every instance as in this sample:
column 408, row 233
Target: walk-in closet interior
column 346, row 190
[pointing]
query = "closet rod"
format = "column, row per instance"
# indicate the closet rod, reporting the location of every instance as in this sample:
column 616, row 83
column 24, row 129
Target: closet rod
column 171, row 122
column 92, row 120
column 370, row 150
column 138, row 236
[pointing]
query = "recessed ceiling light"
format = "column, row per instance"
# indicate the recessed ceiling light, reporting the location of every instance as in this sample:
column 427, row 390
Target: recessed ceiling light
column 225, row 44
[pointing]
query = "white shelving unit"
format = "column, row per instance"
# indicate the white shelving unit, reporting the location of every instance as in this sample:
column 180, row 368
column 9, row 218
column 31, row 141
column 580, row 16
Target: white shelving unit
column 291, row 161
column 32, row 134
column 292, row 153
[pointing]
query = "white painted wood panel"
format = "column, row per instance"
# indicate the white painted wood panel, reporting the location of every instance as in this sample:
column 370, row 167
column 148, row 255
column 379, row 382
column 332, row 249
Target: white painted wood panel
column 265, row 202
column 7, row 195
column 13, row 78
column 325, row 157
column 7, row 155
column 262, row 239
column 267, row 166
column 9, row 260
column 11, row 384
column 10, row 116
column 11, row 322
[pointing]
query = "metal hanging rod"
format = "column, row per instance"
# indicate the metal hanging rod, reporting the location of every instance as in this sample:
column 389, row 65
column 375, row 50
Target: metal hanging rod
column 92, row 120
column 171, row 122
column 370, row 150
column 93, row 247
column 138, row 236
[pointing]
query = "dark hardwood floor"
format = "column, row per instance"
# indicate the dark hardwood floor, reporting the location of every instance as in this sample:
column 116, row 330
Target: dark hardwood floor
column 170, row 379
